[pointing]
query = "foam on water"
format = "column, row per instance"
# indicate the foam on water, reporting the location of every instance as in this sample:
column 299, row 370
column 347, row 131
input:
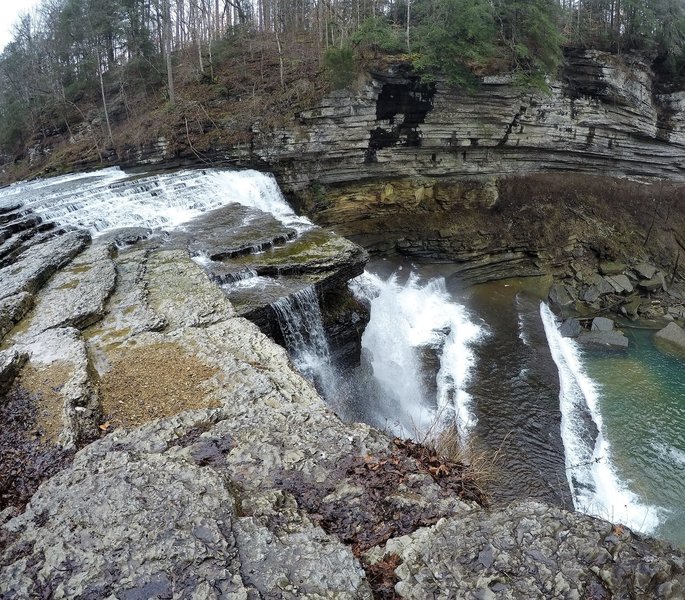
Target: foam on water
column 595, row 486
column 675, row 455
column 405, row 318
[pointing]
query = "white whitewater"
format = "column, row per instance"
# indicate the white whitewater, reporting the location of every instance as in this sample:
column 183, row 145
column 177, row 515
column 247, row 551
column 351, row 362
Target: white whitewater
column 404, row 319
column 110, row 199
column 301, row 323
column 594, row 484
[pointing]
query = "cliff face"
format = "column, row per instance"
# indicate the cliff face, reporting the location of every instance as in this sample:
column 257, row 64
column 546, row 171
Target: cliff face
column 602, row 116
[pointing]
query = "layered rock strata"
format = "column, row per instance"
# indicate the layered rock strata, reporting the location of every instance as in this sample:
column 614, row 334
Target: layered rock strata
column 602, row 115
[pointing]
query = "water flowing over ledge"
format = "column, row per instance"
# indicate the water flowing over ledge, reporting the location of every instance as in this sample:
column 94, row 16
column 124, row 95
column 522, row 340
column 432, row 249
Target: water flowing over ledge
column 595, row 486
column 406, row 320
column 111, row 199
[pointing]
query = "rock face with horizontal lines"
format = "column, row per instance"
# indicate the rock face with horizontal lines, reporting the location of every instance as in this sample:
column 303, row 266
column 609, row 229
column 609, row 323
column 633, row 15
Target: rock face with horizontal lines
column 601, row 116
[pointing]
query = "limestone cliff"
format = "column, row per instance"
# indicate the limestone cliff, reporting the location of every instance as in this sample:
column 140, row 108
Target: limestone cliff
column 601, row 116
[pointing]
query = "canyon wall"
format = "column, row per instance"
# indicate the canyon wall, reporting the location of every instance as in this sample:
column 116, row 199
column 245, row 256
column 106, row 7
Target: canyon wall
column 601, row 116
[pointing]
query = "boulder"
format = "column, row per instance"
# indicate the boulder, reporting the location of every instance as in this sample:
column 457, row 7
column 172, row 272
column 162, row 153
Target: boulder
column 645, row 270
column 673, row 335
column 632, row 306
column 677, row 312
column 594, row 292
column 611, row 268
column 620, row 283
column 559, row 296
column 604, row 339
column 570, row 328
column 602, row 324
column 655, row 284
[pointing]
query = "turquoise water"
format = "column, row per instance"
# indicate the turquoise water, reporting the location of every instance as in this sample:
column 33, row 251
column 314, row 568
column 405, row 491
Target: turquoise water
column 642, row 401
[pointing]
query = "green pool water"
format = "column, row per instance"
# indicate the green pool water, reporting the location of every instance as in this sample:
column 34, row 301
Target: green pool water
column 642, row 401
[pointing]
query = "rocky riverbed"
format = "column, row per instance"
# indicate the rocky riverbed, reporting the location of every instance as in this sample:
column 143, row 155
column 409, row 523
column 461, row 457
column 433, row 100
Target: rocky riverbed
column 181, row 455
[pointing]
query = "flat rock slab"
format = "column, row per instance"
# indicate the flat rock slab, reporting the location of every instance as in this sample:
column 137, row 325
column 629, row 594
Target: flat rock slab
column 645, row 270
column 655, row 284
column 602, row 324
column 232, row 231
column 179, row 289
column 594, row 292
column 620, row 283
column 35, row 266
column 57, row 374
column 611, row 268
column 76, row 295
column 604, row 339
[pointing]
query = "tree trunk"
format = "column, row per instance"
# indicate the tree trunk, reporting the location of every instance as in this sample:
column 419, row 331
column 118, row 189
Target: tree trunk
column 408, row 19
column 280, row 56
column 167, row 44
column 104, row 99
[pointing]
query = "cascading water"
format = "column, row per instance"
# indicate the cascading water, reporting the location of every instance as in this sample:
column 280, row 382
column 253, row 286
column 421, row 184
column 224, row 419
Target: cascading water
column 595, row 487
column 110, row 199
column 406, row 320
column 301, row 323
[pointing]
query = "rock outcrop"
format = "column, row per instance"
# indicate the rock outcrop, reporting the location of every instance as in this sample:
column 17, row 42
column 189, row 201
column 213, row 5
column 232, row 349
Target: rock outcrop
column 602, row 115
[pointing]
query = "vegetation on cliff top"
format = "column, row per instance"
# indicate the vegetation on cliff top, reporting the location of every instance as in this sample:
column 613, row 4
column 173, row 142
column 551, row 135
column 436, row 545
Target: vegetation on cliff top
column 105, row 73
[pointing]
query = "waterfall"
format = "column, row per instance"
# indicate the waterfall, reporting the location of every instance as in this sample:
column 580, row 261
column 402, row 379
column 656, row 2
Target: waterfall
column 299, row 318
column 592, row 477
column 407, row 319
column 110, row 199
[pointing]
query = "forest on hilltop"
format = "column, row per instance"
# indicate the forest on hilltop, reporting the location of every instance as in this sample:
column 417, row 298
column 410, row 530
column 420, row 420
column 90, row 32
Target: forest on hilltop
column 142, row 62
